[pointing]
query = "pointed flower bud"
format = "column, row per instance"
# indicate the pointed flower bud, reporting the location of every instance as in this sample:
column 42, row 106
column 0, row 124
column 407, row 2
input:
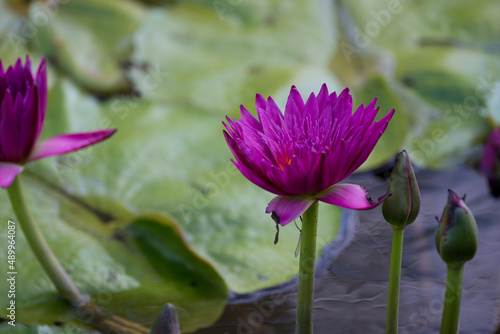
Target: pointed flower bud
column 402, row 207
column 456, row 236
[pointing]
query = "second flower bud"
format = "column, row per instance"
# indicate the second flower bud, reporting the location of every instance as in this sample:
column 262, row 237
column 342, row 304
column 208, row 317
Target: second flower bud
column 402, row 207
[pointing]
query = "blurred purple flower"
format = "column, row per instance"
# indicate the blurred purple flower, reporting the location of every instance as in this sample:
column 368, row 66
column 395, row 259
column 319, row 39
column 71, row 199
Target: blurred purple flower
column 302, row 155
column 490, row 163
column 23, row 102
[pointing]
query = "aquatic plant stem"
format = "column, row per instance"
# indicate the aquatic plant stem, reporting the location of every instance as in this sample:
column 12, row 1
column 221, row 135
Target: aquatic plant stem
column 57, row 274
column 452, row 298
column 305, row 297
column 39, row 246
column 391, row 326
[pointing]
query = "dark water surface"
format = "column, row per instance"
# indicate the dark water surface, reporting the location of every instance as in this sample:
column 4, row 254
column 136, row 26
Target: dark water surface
column 351, row 283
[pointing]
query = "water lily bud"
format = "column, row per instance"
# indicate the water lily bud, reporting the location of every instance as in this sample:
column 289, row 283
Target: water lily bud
column 402, row 207
column 456, row 236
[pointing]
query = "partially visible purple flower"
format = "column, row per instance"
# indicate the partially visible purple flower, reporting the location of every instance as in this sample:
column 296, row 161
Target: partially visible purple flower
column 23, row 102
column 490, row 163
column 302, row 155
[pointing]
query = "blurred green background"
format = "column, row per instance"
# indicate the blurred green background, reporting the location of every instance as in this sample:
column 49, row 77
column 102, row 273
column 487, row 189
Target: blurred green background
column 157, row 213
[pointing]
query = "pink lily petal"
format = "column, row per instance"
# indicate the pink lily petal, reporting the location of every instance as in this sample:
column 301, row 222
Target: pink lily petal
column 249, row 119
column 257, row 179
column 66, row 143
column 491, row 149
column 294, row 108
column 285, row 209
column 8, row 172
column 270, row 118
column 342, row 104
column 29, row 124
column 312, row 108
column 349, row 196
column 9, row 126
column 322, row 96
column 41, row 84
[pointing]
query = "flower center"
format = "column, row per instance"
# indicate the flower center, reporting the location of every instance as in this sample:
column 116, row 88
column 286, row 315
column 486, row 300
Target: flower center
column 283, row 160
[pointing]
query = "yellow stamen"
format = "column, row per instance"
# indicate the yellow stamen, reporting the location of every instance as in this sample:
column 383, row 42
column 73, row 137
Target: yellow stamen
column 283, row 161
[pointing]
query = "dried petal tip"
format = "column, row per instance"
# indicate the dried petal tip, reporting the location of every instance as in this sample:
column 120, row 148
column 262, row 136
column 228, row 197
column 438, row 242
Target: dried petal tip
column 402, row 207
column 456, row 235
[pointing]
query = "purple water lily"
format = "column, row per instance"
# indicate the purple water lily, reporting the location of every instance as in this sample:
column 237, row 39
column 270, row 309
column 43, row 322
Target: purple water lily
column 23, row 102
column 490, row 162
column 302, row 155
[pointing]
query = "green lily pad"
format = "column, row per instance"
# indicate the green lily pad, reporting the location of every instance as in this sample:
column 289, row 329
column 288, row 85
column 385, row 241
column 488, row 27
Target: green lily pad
column 449, row 89
column 440, row 69
column 88, row 40
column 14, row 35
column 105, row 248
column 408, row 24
column 395, row 135
column 447, row 76
column 492, row 109
column 109, row 260
column 216, row 61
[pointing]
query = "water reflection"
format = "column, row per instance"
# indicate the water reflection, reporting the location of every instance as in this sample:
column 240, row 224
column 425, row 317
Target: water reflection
column 351, row 285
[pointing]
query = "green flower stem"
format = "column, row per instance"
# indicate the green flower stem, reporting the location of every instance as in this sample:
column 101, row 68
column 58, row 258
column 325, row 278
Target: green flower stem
column 452, row 298
column 38, row 244
column 57, row 274
column 306, row 270
column 391, row 326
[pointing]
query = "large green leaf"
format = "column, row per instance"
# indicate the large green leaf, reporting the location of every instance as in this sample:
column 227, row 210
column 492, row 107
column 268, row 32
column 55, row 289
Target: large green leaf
column 440, row 68
column 108, row 259
column 447, row 76
column 88, row 40
column 493, row 105
column 14, row 34
column 449, row 88
column 406, row 24
column 218, row 60
column 103, row 245
column 395, row 135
